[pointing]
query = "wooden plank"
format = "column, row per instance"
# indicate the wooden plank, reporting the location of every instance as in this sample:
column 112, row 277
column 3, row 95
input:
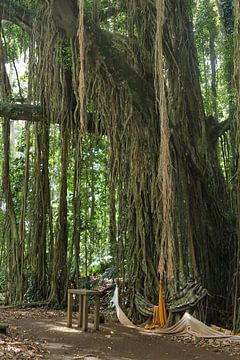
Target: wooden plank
column 83, row 292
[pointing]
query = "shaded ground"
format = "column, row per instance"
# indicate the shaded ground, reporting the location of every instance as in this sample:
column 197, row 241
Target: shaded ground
column 41, row 334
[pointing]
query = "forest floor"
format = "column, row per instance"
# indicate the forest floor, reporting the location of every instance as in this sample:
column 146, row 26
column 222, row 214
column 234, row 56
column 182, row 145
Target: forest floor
column 43, row 334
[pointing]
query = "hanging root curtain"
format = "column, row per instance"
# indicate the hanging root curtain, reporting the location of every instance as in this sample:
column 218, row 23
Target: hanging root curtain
column 168, row 186
column 141, row 90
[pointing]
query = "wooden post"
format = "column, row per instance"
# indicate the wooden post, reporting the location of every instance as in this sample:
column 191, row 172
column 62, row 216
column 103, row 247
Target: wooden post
column 96, row 313
column 69, row 309
column 80, row 315
column 85, row 312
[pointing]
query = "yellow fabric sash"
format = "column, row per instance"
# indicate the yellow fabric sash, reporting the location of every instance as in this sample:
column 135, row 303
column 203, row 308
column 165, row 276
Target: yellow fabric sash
column 159, row 312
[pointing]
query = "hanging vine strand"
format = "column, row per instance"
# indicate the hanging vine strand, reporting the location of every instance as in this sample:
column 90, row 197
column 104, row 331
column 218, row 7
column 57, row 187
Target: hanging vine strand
column 165, row 166
column 82, row 63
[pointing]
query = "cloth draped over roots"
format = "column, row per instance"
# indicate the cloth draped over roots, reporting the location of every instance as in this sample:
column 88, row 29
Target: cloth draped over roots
column 187, row 325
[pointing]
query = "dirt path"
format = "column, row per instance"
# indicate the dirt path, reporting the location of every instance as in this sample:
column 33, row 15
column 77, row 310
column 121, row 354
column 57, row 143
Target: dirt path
column 112, row 342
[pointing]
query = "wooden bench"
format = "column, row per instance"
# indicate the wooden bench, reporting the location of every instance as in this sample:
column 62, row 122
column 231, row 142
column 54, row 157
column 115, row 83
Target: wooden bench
column 84, row 295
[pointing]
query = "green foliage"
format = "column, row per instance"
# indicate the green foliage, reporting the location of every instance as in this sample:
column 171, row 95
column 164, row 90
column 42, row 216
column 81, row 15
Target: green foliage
column 207, row 26
column 94, row 205
column 17, row 41
column 26, row 4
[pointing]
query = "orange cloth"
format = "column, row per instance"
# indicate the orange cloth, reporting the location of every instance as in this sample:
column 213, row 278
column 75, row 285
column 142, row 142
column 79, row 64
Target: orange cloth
column 159, row 312
column 162, row 307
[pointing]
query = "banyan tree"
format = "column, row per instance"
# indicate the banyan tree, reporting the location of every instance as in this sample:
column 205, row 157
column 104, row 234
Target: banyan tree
column 125, row 71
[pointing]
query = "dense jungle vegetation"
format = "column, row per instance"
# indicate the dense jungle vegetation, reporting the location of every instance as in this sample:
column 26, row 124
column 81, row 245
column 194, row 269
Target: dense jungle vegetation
column 119, row 147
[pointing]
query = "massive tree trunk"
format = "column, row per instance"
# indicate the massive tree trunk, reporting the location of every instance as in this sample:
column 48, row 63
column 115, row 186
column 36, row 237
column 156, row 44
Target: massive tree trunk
column 200, row 189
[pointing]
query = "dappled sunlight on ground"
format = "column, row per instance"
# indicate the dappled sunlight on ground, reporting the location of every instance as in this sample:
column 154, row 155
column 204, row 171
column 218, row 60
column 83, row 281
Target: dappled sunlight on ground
column 61, row 327
column 112, row 342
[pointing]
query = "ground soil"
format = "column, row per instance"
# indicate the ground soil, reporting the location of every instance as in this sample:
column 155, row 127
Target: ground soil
column 42, row 334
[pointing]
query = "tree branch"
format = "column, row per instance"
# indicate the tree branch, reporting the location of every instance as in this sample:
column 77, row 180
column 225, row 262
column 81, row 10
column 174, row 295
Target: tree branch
column 65, row 15
column 17, row 15
column 104, row 42
column 21, row 112
column 216, row 129
column 223, row 127
column 34, row 113
column 121, row 72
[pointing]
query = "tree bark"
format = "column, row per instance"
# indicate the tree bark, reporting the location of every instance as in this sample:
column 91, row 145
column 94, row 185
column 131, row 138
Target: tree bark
column 77, row 206
column 225, row 8
column 41, row 210
column 25, row 112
